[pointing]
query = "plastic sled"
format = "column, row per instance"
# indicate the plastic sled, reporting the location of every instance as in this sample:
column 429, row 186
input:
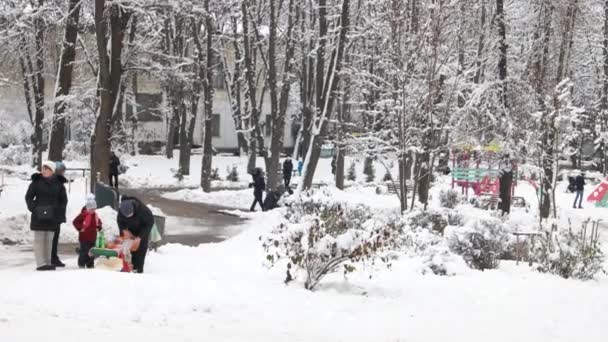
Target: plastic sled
column 103, row 252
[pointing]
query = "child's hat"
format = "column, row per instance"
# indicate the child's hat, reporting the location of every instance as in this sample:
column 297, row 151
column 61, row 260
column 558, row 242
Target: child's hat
column 91, row 203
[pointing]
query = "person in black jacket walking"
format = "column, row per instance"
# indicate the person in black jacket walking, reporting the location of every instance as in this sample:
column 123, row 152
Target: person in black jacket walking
column 136, row 219
column 114, row 164
column 59, row 173
column 259, row 185
column 579, row 184
column 287, row 170
column 45, row 198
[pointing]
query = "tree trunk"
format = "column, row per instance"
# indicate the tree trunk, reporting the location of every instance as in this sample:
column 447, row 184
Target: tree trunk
column 208, row 98
column 101, row 145
column 109, row 79
column 279, row 97
column 250, row 95
column 505, row 184
column 184, row 141
column 64, row 80
column 502, row 51
column 39, row 88
column 480, row 45
column 329, row 86
column 172, row 130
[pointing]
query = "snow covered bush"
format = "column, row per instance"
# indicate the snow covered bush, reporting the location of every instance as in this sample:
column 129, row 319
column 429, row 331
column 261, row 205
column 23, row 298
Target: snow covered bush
column 428, row 219
column 233, row 175
column 352, row 172
column 319, row 236
column 449, row 198
column 568, row 254
column 15, row 155
column 368, row 170
column 480, row 242
column 14, row 133
column 76, row 150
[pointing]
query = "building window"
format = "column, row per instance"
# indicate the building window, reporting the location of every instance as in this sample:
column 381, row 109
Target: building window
column 215, row 126
column 268, row 125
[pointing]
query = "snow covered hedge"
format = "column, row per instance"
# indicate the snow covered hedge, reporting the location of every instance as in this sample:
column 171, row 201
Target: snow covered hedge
column 568, row 254
column 320, row 236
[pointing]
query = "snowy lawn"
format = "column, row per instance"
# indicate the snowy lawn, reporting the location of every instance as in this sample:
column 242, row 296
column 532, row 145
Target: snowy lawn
column 223, row 292
column 157, row 172
column 226, row 292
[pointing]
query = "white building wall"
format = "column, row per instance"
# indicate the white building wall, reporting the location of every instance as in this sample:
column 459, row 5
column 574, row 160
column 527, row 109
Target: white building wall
column 228, row 137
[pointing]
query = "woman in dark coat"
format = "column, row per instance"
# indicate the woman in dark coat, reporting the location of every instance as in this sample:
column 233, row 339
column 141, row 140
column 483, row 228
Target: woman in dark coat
column 45, row 198
column 135, row 219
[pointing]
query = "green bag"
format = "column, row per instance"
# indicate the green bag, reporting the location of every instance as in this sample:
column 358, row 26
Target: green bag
column 155, row 234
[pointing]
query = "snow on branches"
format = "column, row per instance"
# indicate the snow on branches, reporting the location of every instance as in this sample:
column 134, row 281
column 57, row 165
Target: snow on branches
column 320, row 236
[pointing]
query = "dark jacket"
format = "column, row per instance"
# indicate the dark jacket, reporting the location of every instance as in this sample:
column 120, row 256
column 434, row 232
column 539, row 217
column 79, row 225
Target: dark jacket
column 48, row 193
column 287, row 167
column 114, row 163
column 87, row 224
column 272, row 200
column 259, row 184
column 580, row 183
column 140, row 223
column 63, row 210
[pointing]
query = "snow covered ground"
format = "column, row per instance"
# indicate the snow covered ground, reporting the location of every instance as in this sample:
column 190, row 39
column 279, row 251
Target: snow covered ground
column 223, row 292
column 226, row 292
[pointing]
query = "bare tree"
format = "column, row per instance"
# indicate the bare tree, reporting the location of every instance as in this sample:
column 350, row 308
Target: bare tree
column 64, row 80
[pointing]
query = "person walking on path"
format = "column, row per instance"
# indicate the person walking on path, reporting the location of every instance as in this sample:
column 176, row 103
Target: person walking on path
column 135, row 220
column 259, row 185
column 87, row 223
column 60, row 174
column 579, row 183
column 287, row 170
column 114, row 164
column 300, row 167
column 45, row 199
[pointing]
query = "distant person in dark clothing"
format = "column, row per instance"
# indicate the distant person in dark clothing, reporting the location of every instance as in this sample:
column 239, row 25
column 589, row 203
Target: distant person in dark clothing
column 114, row 164
column 259, row 185
column 571, row 184
column 579, row 183
column 272, row 198
column 287, row 170
column 135, row 220
column 46, row 199
column 60, row 174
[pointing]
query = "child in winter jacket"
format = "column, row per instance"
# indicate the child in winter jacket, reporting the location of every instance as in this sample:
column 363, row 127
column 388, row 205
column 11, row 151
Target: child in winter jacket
column 87, row 223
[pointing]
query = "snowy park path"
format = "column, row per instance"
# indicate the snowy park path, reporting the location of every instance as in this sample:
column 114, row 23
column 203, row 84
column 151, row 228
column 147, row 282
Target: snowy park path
column 190, row 223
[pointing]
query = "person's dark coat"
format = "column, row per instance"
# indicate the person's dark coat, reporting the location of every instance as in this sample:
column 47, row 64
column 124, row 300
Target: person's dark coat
column 140, row 224
column 259, row 185
column 580, row 183
column 287, row 167
column 272, row 200
column 571, row 184
column 63, row 210
column 47, row 200
column 114, row 164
